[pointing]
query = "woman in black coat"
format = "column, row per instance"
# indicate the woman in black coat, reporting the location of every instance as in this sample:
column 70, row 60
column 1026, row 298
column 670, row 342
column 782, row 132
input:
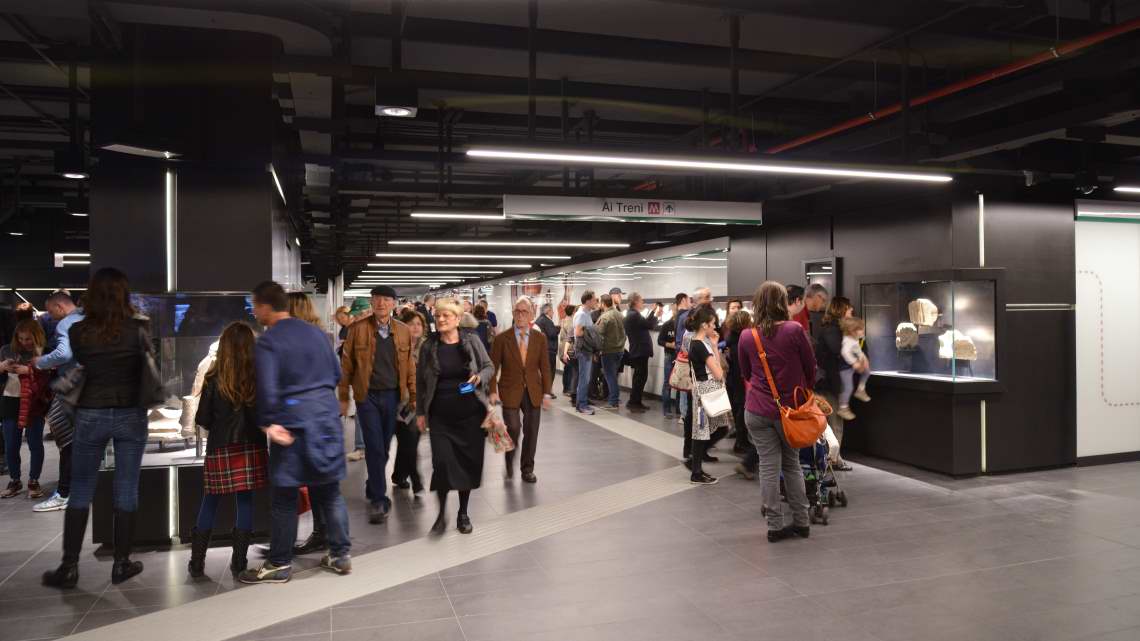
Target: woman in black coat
column 828, row 341
column 237, row 461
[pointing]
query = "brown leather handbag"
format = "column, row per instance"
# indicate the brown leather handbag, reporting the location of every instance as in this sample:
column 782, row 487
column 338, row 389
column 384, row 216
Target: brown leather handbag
column 803, row 423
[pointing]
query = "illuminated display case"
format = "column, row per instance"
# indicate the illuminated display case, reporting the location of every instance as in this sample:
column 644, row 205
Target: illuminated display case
column 941, row 327
column 185, row 328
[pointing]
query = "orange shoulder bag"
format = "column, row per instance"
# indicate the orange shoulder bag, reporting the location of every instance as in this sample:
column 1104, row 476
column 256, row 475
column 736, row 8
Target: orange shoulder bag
column 804, row 423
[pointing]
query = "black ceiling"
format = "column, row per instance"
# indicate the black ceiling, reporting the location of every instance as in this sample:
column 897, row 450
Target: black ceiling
column 648, row 74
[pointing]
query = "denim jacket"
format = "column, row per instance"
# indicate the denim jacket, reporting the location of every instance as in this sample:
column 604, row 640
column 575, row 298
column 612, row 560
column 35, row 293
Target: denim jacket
column 427, row 372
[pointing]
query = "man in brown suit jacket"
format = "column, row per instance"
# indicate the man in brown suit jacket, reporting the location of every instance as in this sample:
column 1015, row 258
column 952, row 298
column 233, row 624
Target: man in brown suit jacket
column 522, row 380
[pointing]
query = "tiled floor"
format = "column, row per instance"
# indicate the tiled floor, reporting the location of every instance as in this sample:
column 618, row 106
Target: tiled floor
column 1028, row 557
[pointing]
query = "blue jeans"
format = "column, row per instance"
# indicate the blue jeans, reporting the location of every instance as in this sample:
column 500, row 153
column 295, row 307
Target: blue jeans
column 569, row 382
column 376, row 418
column 667, row 402
column 327, row 501
column 359, row 435
column 94, row 428
column 585, row 369
column 611, row 363
column 12, row 437
column 243, row 502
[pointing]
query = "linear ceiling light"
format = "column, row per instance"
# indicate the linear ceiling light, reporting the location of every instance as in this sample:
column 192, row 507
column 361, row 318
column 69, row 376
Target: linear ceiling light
column 488, row 256
column 1113, row 215
column 1128, row 190
column 449, row 272
column 455, row 215
column 701, row 165
column 503, row 265
column 506, row 243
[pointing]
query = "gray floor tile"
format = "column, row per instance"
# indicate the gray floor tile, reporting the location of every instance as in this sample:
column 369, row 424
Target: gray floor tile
column 441, row 630
column 391, row 613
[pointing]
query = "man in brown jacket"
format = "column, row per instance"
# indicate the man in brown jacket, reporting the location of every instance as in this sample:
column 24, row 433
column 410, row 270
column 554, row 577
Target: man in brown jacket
column 379, row 368
column 522, row 380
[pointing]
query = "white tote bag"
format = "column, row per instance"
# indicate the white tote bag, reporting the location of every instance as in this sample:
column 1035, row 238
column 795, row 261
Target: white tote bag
column 716, row 402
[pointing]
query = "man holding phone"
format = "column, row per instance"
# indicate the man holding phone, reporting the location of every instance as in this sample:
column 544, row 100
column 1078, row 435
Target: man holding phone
column 637, row 328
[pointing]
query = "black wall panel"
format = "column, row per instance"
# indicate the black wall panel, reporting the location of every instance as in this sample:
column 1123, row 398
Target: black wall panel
column 747, row 265
column 1033, row 423
column 789, row 245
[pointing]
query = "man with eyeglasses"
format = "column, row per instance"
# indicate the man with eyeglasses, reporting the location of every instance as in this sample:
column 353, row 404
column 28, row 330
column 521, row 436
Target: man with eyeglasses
column 522, row 382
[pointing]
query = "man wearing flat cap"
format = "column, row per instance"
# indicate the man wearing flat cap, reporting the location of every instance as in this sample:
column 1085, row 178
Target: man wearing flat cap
column 379, row 370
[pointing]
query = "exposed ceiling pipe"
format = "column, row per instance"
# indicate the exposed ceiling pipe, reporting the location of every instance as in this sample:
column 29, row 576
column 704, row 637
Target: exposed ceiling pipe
column 1049, row 55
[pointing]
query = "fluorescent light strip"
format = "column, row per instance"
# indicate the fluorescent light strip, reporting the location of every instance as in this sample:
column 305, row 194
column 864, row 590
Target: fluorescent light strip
column 506, row 243
column 170, row 232
column 280, row 191
column 701, row 165
column 1128, row 190
column 430, row 271
column 456, row 215
column 503, row 265
column 699, row 258
column 1123, row 215
column 487, row 256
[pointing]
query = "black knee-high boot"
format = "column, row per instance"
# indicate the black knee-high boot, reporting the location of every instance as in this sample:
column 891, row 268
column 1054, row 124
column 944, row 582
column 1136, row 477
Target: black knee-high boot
column 199, row 544
column 241, row 540
column 74, row 528
column 124, row 530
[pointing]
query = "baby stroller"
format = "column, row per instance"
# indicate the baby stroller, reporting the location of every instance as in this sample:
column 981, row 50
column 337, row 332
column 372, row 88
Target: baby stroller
column 823, row 491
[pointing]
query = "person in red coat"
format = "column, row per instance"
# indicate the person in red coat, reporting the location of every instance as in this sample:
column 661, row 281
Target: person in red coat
column 23, row 406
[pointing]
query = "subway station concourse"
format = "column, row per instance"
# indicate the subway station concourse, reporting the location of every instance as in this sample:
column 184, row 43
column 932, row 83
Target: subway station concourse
column 597, row 221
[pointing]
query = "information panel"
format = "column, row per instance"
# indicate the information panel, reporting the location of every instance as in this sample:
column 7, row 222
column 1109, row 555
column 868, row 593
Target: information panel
column 656, row 210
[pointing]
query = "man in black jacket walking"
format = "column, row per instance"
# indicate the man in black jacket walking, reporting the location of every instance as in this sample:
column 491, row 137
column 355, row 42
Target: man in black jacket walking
column 637, row 328
column 550, row 330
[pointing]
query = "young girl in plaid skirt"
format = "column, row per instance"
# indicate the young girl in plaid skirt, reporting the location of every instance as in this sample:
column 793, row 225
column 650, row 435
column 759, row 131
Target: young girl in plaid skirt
column 237, row 461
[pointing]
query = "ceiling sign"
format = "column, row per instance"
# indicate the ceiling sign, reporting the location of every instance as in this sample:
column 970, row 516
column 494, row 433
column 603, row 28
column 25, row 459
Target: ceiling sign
column 648, row 210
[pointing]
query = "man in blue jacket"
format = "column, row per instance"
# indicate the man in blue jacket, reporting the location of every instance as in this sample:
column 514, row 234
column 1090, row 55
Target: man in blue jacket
column 297, row 374
column 63, row 311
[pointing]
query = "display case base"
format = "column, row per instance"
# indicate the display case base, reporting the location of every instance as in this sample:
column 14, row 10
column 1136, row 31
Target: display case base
column 169, row 498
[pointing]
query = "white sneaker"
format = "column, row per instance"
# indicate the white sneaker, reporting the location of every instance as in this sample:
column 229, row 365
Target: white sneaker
column 355, row 455
column 862, row 395
column 846, row 414
column 54, row 503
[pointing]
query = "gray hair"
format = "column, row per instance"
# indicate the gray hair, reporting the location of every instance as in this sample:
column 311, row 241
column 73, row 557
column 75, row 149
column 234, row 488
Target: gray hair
column 815, row 289
column 546, row 307
column 635, row 297
column 703, row 293
column 524, row 299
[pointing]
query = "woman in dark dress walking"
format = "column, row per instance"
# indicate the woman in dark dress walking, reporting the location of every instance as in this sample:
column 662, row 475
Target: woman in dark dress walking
column 451, row 385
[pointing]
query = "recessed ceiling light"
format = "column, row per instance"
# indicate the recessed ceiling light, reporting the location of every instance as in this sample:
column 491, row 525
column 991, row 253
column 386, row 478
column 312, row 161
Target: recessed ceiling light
column 15, row 233
column 507, row 243
column 396, row 112
column 1128, row 190
column 79, row 214
column 487, row 256
column 75, row 175
column 591, row 158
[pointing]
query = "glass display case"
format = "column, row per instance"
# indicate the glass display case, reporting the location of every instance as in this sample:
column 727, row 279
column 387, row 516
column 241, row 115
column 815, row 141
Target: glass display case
column 185, row 329
column 936, row 326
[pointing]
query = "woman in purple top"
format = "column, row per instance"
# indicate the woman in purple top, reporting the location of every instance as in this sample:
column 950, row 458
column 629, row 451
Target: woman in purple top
column 792, row 363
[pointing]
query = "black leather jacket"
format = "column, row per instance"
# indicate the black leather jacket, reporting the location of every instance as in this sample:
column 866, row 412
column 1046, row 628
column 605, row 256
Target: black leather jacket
column 227, row 425
column 112, row 370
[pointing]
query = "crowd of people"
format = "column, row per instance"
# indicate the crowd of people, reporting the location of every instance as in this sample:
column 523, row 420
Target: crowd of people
column 274, row 406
